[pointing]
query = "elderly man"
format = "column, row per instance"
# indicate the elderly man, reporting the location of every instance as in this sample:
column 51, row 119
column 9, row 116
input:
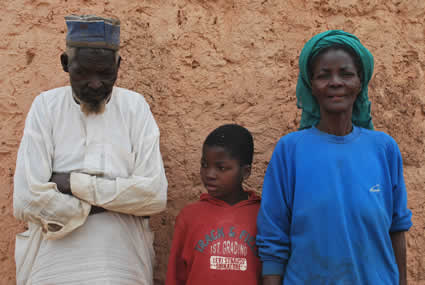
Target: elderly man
column 89, row 171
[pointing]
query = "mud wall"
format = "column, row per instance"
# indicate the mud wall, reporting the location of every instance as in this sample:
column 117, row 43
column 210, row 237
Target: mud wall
column 202, row 63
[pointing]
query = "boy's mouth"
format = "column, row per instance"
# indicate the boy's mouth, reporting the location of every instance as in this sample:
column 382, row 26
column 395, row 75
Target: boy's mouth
column 211, row 187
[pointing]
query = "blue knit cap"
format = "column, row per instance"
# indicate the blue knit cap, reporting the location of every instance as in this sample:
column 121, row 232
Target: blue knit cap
column 93, row 31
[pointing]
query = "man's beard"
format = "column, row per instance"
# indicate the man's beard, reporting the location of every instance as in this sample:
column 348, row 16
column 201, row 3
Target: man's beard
column 93, row 108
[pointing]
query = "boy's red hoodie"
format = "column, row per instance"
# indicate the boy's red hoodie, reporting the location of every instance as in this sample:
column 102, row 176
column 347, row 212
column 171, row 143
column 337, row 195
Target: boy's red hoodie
column 214, row 243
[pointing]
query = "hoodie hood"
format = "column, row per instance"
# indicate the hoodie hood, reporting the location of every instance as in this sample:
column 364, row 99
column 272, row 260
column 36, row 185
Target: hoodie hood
column 252, row 199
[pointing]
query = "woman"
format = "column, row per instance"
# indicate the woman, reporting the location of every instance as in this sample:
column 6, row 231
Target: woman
column 333, row 209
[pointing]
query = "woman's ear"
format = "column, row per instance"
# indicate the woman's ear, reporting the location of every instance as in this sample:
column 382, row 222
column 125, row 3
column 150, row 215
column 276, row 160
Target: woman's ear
column 360, row 76
column 360, row 88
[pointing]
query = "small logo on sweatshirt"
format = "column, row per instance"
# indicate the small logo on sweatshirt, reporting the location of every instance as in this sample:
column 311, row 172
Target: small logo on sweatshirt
column 375, row 188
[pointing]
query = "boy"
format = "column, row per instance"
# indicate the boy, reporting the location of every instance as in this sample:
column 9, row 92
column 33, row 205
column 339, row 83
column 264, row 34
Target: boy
column 214, row 239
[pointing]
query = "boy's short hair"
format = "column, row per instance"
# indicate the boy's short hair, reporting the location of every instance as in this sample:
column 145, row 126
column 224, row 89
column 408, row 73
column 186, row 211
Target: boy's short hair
column 236, row 139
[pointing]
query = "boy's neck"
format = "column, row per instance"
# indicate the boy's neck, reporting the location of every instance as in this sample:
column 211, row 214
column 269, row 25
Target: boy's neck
column 241, row 196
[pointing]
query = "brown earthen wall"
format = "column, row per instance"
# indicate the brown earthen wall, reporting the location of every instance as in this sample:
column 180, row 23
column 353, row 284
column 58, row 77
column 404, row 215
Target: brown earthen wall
column 202, row 63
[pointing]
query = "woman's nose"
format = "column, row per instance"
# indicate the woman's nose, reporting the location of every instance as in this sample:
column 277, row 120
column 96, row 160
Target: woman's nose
column 335, row 80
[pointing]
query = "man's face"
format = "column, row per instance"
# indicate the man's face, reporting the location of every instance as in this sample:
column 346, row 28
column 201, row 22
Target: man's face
column 92, row 74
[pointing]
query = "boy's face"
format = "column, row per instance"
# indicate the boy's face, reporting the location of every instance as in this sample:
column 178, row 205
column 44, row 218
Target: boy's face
column 221, row 174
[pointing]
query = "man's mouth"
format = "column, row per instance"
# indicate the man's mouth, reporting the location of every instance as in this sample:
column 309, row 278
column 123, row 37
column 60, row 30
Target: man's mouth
column 89, row 97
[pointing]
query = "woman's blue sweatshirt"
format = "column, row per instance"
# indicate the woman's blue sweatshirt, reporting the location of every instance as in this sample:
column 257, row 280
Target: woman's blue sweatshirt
column 328, row 206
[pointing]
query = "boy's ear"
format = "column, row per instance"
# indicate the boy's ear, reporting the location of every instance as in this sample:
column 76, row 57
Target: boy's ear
column 246, row 171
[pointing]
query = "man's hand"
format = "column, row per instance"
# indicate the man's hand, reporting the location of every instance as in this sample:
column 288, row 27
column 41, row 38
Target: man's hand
column 63, row 181
column 96, row 210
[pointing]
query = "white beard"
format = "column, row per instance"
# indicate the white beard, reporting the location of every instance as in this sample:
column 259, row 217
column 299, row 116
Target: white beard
column 93, row 109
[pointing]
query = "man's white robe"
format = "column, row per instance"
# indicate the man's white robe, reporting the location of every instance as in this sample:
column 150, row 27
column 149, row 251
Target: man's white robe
column 116, row 164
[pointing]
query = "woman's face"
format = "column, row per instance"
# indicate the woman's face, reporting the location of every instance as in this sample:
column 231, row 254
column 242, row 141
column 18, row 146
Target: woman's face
column 335, row 81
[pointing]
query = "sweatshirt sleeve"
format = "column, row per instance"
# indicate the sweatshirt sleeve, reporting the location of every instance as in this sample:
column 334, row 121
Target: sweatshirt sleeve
column 35, row 199
column 274, row 217
column 401, row 218
column 144, row 192
column 177, row 267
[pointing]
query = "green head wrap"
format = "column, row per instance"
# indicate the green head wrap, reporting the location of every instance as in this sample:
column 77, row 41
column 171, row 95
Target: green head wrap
column 307, row 102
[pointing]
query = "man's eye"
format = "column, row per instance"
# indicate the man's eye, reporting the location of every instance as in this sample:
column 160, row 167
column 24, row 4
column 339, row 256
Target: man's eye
column 222, row 168
column 78, row 72
column 107, row 73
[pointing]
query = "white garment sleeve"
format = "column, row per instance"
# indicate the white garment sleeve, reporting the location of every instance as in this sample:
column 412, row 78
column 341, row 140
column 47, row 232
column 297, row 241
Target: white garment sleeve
column 144, row 192
column 35, row 199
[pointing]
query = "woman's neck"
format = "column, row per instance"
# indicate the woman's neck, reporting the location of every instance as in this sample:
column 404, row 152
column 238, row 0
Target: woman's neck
column 338, row 124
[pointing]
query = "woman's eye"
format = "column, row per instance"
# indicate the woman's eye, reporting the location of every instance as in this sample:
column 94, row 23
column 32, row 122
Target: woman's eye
column 322, row 76
column 347, row 74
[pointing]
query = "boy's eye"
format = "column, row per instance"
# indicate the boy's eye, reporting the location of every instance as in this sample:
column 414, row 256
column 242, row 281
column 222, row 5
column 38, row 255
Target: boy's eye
column 223, row 167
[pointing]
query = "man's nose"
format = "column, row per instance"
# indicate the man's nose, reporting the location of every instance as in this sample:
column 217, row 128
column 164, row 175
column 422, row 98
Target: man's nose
column 95, row 83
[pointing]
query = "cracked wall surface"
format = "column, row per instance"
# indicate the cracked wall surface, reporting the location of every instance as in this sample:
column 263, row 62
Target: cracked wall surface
column 203, row 63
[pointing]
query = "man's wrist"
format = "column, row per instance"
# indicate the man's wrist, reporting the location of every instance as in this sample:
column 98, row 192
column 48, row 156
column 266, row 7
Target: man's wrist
column 81, row 186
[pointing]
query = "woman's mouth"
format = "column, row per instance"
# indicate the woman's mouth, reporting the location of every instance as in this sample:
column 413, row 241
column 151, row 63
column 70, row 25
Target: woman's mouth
column 336, row 97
